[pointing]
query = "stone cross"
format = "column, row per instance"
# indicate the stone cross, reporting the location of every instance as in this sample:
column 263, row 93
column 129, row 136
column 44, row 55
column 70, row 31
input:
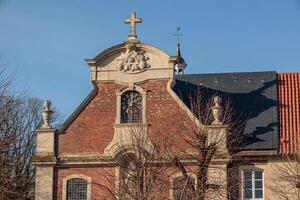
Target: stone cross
column 132, row 20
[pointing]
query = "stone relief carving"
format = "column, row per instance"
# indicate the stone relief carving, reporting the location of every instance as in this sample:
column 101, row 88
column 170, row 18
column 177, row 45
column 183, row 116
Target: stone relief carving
column 132, row 60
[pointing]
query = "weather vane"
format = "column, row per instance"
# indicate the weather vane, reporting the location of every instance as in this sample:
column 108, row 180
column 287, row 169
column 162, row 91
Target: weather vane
column 178, row 34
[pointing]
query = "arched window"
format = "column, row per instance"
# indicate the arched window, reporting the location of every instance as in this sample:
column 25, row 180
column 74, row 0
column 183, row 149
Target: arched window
column 183, row 188
column 131, row 107
column 76, row 189
column 128, row 177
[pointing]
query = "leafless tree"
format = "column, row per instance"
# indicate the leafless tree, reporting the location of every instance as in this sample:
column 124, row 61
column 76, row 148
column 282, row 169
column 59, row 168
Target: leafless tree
column 285, row 179
column 205, row 143
column 143, row 170
column 19, row 117
column 146, row 170
column 150, row 162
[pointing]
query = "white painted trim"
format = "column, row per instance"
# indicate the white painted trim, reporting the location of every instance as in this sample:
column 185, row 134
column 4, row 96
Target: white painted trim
column 241, row 172
column 180, row 175
column 65, row 179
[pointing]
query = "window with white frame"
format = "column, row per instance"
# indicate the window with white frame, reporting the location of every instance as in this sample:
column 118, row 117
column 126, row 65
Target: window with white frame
column 253, row 184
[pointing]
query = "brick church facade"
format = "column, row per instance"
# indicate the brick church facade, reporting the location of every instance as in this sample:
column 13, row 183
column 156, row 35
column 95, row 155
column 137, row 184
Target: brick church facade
column 140, row 89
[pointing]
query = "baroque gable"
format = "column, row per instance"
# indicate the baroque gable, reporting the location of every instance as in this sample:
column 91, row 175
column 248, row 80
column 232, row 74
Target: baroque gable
column 131, row 62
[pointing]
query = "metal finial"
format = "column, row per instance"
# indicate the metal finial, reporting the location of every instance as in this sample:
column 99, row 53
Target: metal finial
column 180, row 64
column 178, row 34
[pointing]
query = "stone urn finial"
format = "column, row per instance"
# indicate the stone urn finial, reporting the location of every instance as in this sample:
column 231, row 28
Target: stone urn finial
column 217, row 110
column 46, row 113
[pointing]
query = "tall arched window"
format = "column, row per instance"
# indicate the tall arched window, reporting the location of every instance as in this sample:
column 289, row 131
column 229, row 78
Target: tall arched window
column 129, row 177
column 131, row 107
column 183, row 188
column 76, row 189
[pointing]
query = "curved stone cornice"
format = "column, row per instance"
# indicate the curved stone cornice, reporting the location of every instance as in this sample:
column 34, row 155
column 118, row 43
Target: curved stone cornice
column 121, row 47
column 131, row 63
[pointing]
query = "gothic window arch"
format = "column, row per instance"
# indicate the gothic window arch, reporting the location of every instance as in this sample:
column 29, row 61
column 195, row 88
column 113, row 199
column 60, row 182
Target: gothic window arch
column 183, row 188
column 76, row 187
column 131, row 107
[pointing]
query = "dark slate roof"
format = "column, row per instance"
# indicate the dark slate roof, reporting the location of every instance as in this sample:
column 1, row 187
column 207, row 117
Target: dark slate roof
column 253, row 95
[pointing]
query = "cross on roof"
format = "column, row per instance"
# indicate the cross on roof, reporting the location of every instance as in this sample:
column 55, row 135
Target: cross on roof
column 132, row 20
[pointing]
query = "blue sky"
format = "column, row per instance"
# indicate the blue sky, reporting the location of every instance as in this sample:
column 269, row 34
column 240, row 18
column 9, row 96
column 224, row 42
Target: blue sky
column 44, row 43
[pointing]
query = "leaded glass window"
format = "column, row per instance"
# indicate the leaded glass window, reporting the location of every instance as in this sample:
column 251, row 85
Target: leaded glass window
column 253, row 184
column 77, row 189
column 183, row 188
column 131, row 107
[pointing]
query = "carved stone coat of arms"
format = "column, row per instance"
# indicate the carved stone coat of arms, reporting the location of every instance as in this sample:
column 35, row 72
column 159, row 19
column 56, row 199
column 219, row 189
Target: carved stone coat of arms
column 132, row 60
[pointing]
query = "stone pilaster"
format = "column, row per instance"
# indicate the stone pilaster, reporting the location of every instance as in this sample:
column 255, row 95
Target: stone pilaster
column 218, row 134
column 45, row 142
column 217, row 179
column 44, row 183
column 217, row 172
column 45, row 158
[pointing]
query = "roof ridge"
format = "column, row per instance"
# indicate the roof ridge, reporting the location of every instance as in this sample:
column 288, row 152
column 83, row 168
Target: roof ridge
column 254, row 72
column 288, row 73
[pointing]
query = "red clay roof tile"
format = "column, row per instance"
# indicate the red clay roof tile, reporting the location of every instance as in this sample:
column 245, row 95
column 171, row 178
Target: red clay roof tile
column 289, row 112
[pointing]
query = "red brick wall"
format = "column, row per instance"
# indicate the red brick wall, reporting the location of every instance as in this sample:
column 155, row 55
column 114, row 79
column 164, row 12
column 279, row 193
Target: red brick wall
column 92, row 130
column 164, row 114
column 99, row 177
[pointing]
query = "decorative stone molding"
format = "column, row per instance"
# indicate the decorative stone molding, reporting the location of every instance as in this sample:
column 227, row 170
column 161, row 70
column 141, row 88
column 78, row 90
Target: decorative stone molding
column 46, row 114
column 46, row 134
column 133, row 60
column 65, row 179
column 125, row 139
column 131, row 86
column 131, row 63
column 217, row 111
column 44, row 160
column 126, row 134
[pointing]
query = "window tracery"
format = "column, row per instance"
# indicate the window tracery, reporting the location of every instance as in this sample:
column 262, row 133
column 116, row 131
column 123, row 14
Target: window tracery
column 131, row 107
